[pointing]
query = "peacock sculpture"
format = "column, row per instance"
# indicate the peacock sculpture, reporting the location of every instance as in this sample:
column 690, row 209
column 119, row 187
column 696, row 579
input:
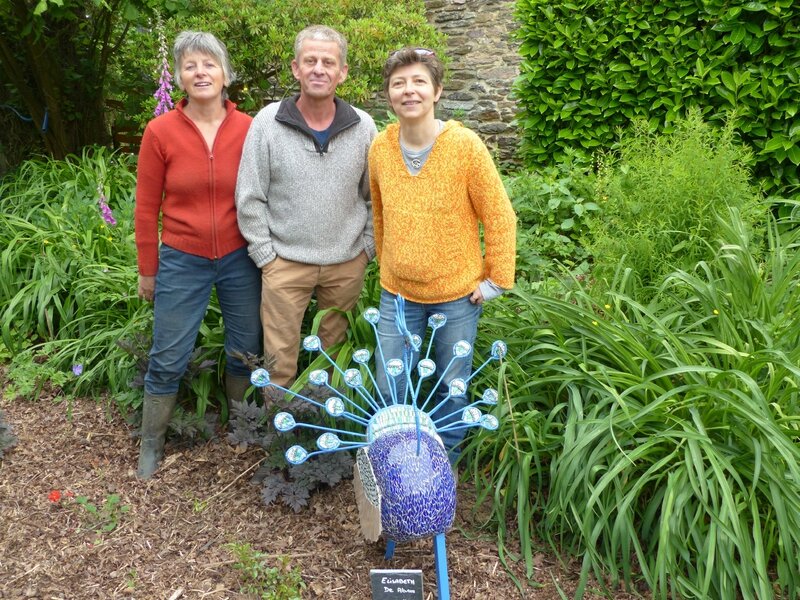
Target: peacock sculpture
column 404, row 483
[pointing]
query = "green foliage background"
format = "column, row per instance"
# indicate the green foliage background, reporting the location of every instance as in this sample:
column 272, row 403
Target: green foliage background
column 656, row 440
column 260, row 39
column 591, row 66
column 665, row 199
column 648, row 426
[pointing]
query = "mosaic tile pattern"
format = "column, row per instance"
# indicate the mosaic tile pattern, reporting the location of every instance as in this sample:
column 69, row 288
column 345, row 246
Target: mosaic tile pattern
column 368, row 481
column 417, row 492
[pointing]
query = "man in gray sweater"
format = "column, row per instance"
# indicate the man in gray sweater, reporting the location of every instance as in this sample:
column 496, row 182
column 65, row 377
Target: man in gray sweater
column 303, row 203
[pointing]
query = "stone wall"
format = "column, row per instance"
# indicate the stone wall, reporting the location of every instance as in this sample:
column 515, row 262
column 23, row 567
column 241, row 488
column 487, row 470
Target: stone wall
column 483, row 64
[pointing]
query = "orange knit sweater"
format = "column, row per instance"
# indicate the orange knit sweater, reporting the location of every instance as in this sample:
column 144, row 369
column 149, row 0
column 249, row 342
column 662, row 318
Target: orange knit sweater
column 426, row 226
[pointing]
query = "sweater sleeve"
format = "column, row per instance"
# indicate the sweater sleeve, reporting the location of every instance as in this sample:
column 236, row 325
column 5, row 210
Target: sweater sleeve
column 491, row 204
column 377, row 206
column 252, row 189
column 366, row 192
column 150, row 177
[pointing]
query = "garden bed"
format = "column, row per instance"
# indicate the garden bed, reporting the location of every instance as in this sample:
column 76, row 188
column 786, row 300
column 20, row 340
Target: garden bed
column 169, row 537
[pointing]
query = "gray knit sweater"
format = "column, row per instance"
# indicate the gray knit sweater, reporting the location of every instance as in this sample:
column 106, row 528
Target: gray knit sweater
column 301, row 201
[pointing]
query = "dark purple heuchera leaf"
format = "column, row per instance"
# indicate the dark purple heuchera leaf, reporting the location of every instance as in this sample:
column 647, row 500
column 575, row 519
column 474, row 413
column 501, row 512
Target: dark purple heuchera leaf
column 295, row 497
column 251, row 424
column 7, row 439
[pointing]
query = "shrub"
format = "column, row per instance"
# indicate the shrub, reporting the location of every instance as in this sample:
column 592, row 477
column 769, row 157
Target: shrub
column 591, row 66
column 662, row 195
column 260, row 38
column 659, row 441
column 553, row 207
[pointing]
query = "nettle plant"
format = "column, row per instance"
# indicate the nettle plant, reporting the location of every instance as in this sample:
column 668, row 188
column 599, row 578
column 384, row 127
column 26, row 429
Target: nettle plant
column 553, row 206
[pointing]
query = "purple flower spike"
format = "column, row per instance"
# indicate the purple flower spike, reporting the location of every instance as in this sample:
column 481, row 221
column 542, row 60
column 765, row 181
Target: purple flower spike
column 105, row 209
column 162, row 94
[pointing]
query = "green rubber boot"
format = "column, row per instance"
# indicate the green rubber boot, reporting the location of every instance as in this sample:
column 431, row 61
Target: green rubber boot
column 156, row 413
column 235, row 389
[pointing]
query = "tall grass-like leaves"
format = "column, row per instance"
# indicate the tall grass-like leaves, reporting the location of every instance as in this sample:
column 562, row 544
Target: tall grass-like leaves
column 667, row 433
column 68, row 271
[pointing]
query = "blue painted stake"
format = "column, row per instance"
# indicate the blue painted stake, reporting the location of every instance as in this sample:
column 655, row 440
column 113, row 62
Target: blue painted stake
column 440, row 561
column 389, row 550
column 440, row 558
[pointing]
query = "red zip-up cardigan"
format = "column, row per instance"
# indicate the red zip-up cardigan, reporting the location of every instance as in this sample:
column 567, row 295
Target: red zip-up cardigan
column 191, row 186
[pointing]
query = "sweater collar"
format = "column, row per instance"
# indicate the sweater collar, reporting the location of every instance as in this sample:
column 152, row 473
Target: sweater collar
column 393, row 130
column 181, row 106
column 290, row 115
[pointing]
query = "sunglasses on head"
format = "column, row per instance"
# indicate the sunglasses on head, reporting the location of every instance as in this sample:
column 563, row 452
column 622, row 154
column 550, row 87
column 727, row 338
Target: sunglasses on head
column 417, row 51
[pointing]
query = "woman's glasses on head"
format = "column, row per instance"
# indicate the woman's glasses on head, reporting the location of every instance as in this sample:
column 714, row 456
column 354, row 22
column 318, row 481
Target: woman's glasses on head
column 417, row 51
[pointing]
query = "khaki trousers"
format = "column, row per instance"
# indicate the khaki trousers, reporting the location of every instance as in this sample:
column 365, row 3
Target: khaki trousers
column 286, row 290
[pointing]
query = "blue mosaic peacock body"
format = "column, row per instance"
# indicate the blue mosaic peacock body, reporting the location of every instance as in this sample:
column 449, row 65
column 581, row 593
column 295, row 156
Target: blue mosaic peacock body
column 404, row 482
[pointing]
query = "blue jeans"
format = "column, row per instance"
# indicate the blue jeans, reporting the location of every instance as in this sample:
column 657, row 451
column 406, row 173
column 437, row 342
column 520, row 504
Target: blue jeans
column 183, row 291
column 462, row 324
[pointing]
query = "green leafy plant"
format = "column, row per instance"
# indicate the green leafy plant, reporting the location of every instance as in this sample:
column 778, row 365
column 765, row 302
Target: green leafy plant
column 29, row 374
column 590, row 67
column 130, row 579
column 105, row 517
column 662, row 197
column 553, row 207
column 658, row 441
column 279, row 582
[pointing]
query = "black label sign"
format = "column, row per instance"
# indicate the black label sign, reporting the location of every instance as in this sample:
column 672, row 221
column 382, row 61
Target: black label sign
column 395, row 584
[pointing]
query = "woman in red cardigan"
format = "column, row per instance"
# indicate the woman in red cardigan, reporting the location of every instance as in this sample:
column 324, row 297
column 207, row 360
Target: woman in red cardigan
column 186, row 177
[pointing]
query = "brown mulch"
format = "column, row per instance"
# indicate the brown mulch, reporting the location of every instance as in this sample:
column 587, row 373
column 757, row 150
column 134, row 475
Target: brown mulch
column 171, row 543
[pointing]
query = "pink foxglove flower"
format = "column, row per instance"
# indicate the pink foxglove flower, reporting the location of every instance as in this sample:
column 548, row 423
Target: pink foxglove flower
column 162, row 94
column 105, row 209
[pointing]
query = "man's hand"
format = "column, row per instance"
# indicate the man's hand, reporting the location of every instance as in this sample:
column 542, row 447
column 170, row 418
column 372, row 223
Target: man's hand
column 147, row 287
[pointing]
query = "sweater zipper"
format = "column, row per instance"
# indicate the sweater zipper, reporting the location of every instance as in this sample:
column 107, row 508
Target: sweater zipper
column 213, row 183
column 212, row 195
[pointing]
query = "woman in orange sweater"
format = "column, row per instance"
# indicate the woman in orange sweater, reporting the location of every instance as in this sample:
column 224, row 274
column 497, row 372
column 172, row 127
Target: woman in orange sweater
column 432, row 184
column 186, row 175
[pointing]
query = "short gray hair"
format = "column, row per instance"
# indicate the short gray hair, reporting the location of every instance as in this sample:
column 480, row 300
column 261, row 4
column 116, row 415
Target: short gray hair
column 206, row 43
column 321, row 33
